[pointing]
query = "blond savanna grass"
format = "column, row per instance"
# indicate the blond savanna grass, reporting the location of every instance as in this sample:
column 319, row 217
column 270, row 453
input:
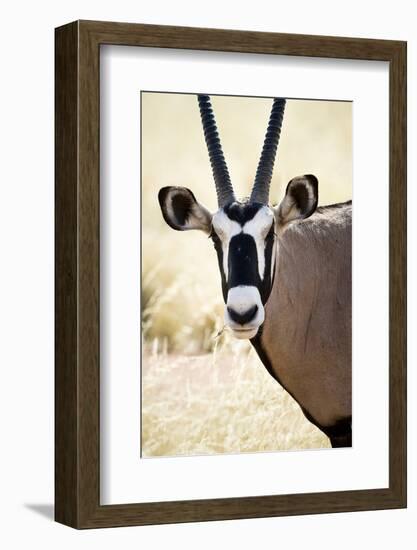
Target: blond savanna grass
column 203, row 392
column 224, row 402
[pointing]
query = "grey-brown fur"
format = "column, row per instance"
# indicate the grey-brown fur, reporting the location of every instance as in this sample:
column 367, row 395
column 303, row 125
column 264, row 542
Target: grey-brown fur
column 307, row 334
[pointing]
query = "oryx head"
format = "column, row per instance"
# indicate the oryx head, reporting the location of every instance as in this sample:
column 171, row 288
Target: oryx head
column 243, row 232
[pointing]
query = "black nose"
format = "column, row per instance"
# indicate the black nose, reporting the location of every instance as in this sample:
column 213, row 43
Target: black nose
column 242, row 318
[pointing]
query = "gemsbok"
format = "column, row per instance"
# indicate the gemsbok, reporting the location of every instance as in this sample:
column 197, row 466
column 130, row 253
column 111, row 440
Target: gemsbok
column 285, row 275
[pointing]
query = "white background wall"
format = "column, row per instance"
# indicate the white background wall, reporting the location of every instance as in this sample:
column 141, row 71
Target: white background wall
column 26, row 276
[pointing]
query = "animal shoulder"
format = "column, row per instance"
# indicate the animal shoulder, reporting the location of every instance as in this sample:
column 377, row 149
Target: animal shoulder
column 333, row 217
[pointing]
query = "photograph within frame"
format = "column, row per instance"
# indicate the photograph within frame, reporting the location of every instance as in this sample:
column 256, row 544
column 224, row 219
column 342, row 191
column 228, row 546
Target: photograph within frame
column 203, row 391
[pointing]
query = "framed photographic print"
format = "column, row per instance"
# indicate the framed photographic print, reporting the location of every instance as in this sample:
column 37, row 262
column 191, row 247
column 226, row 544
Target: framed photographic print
column 230, row 274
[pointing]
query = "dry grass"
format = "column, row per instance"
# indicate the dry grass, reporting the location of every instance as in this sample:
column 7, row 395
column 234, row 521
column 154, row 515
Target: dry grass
column 223, row 402
column 182, row 305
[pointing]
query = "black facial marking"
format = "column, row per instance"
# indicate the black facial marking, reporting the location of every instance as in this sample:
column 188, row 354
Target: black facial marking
column 218, row 247
column 243, row 261
column 266, row 286
column 242, row 212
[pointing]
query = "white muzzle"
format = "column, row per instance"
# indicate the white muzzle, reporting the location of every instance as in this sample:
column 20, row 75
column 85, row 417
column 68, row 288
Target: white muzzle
column 244, row 312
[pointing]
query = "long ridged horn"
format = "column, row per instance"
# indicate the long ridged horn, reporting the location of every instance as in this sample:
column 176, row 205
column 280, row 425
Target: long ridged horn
column 260, row 190
column 221, row 176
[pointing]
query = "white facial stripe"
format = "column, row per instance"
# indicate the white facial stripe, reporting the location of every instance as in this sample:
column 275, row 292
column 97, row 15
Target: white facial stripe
column 225, row 229
column 274, row 251
column 258, row 228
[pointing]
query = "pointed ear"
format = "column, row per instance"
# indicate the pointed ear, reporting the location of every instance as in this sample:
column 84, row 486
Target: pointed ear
column 300, row 201
column 181, row 211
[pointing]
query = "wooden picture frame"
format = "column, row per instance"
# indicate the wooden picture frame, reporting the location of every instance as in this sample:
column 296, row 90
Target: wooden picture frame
column 77, row 373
